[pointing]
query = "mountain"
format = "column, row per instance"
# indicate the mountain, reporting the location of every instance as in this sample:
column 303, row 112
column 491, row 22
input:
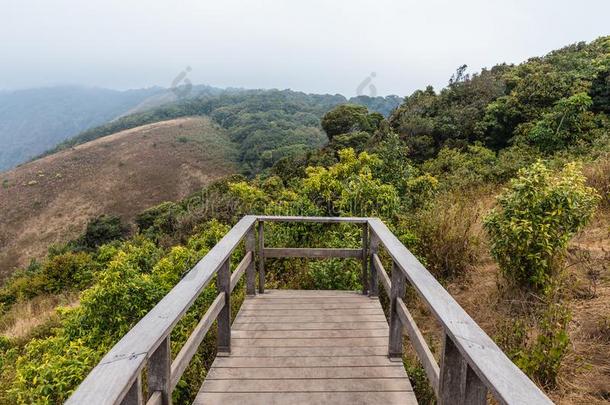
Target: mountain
column 50, row 200
column 35, row 120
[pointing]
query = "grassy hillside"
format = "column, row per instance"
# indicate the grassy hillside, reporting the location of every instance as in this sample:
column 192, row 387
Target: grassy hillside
column 499, row 183
column 51, row 200
column 34, row 120
column 268, row 125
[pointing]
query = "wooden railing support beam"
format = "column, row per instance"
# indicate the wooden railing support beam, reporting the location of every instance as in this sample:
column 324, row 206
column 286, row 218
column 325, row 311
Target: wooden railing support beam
column 374, row 280
column 459, row 384
column 223, row 285
column 261, row 257
column 134, row 395
column 159, row 369
column 365, row 258
column 251, row 270
column 397, row 291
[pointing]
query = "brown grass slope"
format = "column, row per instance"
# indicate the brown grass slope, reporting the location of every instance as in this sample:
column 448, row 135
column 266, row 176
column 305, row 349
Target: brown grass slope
column 51, row 199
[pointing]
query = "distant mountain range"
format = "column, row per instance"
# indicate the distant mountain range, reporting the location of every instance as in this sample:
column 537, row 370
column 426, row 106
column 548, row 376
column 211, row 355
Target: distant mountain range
column 33, row 121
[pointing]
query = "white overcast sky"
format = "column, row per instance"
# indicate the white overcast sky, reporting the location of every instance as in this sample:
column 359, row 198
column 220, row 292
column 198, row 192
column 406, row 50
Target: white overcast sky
column 308, row 45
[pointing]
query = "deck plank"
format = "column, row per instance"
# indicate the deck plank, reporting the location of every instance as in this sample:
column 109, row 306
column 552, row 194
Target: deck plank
column 308, row 347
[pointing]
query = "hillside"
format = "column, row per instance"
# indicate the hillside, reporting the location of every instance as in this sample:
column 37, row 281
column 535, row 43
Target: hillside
column 34, row 120
column 51, row 199
column 499, row 183
column 268, row 125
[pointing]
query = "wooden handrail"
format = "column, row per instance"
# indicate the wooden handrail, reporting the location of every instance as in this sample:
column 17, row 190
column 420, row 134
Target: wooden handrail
column 471, row 362
column 479, row 356
column 118, row 373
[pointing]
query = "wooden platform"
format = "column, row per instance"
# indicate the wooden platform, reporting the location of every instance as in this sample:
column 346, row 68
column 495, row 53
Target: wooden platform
column 308, row 347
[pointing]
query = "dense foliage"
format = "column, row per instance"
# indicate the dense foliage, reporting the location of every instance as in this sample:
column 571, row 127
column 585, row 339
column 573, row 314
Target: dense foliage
column 267, row 124
column 537, row 216
column 421, row 171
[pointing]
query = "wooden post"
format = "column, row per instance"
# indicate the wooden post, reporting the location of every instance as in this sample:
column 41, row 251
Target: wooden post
column 365, row 243
column 398, row 291
column 452, row 369
column 251, row 270
column 261, row 257
column 159, row 368
column 134, row 395
column 374, row 279
column 459, row 384
column 475, row 392
column 223, row 284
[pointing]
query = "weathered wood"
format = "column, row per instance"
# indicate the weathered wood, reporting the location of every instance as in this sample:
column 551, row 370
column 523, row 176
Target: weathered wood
column 134, row 395
column 312, row 325
column 315, row 253
column 240, row 269
column 310, row 361
column 282, row 373
column 158, row 373
column 321, row 220
column 309, row 385
column 492, row 366
column 300, row 334
column 295, row 360
column 261, row 257
column 223, row 284
column 317, row 342
column 419, row 344
column 383, row 276
column 397, row 291
column 310, row 398
column 250, row 243
column 475, row 392
column 155, row 399
column 373, row 269
column 112, row 378
column 291, row 294
column 364, row 258
column 191, row 346
column 451, row 375
column 250, row 311
column 305, row 318
column 302, row 307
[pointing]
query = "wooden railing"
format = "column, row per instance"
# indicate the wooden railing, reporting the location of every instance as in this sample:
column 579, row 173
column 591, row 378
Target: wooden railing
column 471, row 363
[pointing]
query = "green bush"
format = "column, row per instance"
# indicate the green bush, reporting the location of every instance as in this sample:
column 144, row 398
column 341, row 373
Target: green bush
column 101, row 230
column 536, row 217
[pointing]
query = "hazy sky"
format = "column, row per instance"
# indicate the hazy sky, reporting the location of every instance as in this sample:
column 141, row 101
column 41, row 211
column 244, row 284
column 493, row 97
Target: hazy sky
column 309, row 45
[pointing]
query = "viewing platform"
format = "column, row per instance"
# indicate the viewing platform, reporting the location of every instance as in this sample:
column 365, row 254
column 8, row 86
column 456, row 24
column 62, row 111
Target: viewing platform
column 308, row 347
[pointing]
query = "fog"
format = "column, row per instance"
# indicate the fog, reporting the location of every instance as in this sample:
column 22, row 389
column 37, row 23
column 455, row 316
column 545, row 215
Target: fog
column 313, row 46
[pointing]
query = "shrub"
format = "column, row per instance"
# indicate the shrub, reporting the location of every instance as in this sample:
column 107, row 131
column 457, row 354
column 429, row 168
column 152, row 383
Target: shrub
column 536, row 217
column 68, row 270
column 100, row 230
column 462, row 168
column 446, row 232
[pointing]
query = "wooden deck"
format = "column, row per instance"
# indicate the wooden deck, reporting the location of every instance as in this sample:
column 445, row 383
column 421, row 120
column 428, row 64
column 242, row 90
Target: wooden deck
column 308, row 347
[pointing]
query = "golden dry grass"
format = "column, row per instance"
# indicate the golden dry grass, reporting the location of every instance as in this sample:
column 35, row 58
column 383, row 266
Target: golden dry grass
column 25, row 316
column 50, row 200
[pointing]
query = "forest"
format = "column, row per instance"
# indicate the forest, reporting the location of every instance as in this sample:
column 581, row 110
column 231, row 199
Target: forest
column 488, row 180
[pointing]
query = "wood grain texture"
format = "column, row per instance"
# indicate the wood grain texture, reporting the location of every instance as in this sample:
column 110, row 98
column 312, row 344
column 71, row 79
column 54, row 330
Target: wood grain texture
column 295, row 347
column 313, row 253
